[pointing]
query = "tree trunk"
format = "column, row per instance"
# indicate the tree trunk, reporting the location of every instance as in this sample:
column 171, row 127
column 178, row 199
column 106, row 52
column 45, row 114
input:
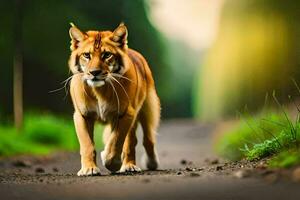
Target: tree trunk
column 18, row 66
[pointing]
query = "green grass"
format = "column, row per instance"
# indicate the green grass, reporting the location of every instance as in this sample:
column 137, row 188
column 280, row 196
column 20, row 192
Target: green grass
column 285, row 159
column 270, row 134
column 41, row 134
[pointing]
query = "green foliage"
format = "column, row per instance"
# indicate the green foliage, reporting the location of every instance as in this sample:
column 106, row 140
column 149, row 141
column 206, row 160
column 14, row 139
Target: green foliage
column 51, row 131
column 262, row 150
column 270, row 135
column 249, row 133
column 12, row 143
column 266, row 148
column 285, row 159
column 42, row 134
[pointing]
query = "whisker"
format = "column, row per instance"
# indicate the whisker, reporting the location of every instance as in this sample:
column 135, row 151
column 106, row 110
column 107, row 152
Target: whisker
column 114, row 89
column 56, row 90
column 121, row 76
column 67, row 79
column 65, row 82
column 101, row 77
column 121, row 87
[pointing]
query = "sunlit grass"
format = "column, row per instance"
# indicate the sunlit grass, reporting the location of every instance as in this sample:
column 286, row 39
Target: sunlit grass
column 12, row 143
column 271, row 134
column 250, row 131
column 42, row 134
column 285, row 159
column 50, row 130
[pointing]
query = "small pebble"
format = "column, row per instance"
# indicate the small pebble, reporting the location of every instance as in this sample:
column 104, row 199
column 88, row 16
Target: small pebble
column 241, row 174
column 189, row 169
column 218, row 168
column 39, row 170
column 21, row 163
column 193, row 174
column 183, row 162
column 55, row 169
column 179, row 173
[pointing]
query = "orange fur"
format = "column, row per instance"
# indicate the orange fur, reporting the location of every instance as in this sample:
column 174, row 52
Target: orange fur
column 112, row 84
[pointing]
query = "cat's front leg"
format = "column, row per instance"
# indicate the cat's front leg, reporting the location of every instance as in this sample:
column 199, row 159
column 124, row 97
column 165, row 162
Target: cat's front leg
column 84, row 129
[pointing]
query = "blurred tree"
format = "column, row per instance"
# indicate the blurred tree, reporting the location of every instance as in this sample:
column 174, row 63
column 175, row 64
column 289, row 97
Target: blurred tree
column 256, row 51
column 18, row 66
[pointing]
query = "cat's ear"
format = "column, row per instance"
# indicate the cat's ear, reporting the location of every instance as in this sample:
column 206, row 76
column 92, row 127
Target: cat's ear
column 120, row 35
column 76, row 34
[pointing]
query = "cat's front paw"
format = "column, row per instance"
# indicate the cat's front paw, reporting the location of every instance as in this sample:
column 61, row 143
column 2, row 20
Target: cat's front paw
column 89, row 171
column 129, row 167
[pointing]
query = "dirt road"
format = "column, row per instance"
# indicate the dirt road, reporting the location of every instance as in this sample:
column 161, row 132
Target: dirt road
column 189, row 170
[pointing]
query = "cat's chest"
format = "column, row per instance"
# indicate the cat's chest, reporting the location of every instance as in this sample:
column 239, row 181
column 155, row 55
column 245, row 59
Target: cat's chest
column 104, row 110
column 99, row 109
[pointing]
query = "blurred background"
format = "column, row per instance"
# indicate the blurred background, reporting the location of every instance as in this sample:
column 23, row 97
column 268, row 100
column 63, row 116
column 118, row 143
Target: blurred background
column 210, row 59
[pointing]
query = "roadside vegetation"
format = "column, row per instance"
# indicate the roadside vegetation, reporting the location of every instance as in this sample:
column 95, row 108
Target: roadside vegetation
column 41, row 134
column 271, row 134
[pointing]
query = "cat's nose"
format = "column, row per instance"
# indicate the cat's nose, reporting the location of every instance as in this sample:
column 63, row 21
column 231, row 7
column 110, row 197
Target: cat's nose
column 96, row 72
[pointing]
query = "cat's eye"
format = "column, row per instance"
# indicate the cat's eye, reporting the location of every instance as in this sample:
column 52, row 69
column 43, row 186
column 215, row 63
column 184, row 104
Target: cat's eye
column 105, row 55
column 87, row 55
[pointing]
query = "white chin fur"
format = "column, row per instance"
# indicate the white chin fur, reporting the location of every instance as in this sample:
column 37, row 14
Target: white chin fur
column 95, row 83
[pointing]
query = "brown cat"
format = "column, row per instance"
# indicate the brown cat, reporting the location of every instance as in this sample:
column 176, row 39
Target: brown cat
column 112, row 84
